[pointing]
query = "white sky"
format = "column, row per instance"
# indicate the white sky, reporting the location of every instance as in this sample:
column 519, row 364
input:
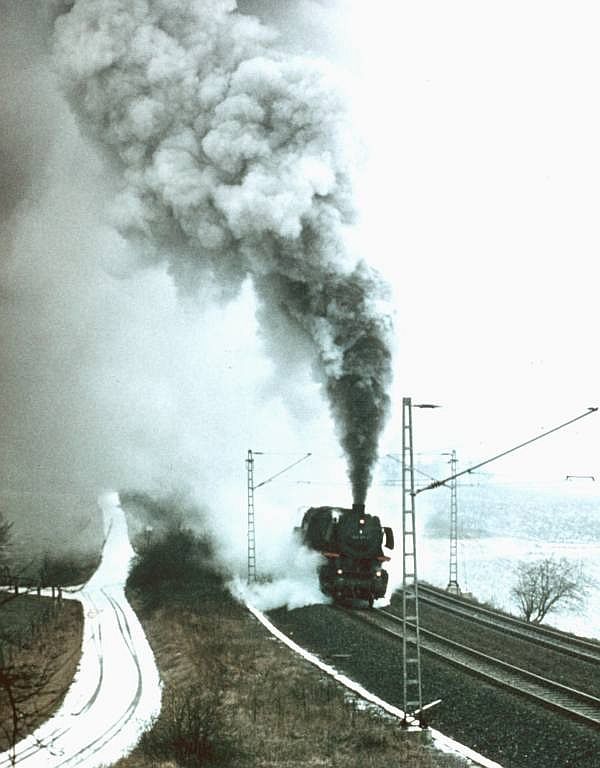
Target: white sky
column 480, row 202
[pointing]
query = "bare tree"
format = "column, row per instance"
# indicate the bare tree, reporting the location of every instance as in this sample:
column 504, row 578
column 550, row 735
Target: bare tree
column 28, row 691
column 29, row 665
column 545, row 585
column 5, row 532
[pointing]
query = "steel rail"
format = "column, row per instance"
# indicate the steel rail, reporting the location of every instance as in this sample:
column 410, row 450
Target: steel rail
column 569, row 702
column 587, row 650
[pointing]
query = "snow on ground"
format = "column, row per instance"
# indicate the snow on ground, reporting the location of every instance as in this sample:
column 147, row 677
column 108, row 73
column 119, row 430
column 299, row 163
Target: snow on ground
column 487, row 569
column 116, row 691
column 442, row 742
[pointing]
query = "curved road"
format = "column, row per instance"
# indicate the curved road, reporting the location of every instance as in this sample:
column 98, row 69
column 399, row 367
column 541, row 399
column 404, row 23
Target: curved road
column 116, row 690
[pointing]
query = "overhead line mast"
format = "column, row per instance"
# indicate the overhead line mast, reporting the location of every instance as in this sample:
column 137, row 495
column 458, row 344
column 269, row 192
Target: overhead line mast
column 453, row 586
column 412, row 697
column 411, row 656
column 251, row 522
column 251, row 525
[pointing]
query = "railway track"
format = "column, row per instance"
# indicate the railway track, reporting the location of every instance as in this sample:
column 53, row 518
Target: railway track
column 567, row 701
column 587, row 650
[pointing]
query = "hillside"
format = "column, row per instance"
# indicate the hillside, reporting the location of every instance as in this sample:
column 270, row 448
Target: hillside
column 235, row 696
column 232, row 694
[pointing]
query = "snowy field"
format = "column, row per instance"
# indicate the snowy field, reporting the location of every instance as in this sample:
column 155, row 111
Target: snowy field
column 486, row 568
column 499, row 526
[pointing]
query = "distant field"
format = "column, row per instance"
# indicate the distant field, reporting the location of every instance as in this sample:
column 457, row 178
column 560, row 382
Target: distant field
column 527, row 512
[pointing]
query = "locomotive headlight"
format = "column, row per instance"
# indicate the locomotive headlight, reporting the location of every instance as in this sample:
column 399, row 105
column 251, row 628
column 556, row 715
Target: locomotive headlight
column 339, row 571
column 361, row 521
column 378, row 574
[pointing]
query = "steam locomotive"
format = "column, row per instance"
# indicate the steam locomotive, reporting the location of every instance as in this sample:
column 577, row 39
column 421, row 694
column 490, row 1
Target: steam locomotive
column 351, row 542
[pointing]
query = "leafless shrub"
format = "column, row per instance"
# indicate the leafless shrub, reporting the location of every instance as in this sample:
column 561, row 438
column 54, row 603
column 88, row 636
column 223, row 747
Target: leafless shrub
column 190, row 729
column 67, row 569
column 545, row 585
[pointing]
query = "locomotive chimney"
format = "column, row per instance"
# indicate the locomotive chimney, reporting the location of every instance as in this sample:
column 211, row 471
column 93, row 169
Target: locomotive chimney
column 358, row 508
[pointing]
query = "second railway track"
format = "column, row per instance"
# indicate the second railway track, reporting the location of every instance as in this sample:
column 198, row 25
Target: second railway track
column 577, row 647
column 563, row 699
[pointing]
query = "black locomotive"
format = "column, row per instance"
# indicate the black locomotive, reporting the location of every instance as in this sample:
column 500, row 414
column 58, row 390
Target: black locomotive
column 351, row 542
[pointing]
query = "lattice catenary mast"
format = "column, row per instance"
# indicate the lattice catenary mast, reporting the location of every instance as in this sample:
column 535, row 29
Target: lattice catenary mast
column 453, row 586
column 251, row 528
column 412, row 698
column 251, row 489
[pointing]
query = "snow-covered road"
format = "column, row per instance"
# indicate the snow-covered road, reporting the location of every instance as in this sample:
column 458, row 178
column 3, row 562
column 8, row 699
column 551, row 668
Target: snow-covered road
column 116, row 690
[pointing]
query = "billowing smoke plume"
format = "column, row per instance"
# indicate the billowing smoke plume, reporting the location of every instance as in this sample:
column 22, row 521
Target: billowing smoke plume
column 237, row 165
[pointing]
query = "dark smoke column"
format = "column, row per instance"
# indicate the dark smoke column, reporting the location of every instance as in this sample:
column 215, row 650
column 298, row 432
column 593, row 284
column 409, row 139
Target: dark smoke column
column 236, row 164
column 359, row 397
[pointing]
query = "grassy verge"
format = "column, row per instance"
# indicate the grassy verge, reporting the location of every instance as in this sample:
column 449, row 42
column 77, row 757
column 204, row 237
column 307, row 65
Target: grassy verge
column 235, row 696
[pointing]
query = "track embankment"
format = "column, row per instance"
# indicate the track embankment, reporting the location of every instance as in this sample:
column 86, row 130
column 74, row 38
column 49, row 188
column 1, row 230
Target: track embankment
column 500, row 725
column 239, row 697
column 560, row 657
column 564, row 700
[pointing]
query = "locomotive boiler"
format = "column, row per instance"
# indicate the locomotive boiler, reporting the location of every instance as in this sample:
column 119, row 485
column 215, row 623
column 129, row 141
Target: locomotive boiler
column 351, row 542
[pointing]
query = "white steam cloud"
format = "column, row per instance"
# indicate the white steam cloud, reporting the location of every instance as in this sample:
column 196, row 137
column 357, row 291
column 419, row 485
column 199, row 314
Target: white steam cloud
column 237, row 164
